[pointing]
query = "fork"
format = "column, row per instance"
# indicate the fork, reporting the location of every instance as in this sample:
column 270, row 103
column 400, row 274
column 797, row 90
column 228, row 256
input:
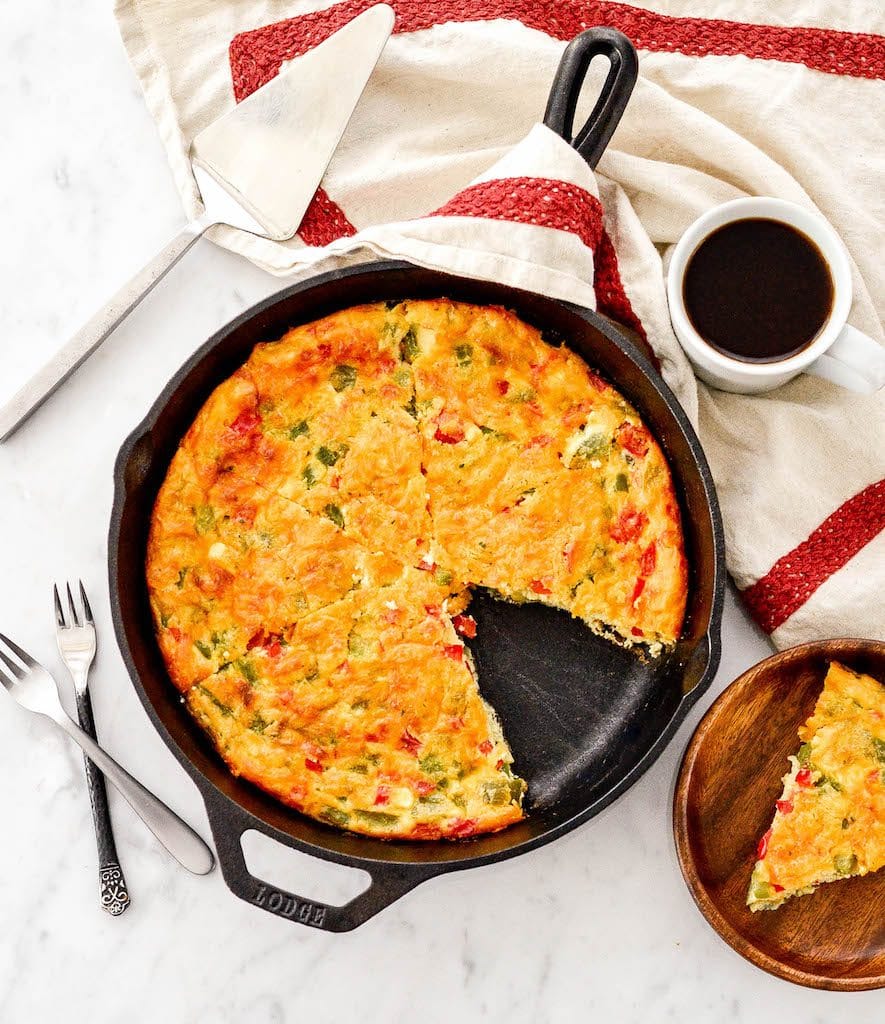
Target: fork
column 77, row 644
column 35, row 689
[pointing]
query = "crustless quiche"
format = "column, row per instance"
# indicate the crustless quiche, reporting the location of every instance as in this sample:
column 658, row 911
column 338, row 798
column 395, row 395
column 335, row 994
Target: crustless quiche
column 315, row 543
column 830, row 819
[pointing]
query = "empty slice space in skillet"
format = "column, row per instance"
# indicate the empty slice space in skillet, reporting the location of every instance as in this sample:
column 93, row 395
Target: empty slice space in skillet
column 730, row 778
column 574, row 706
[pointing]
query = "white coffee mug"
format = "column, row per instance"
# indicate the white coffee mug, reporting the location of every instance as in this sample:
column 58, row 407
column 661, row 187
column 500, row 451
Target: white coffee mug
column 838, row 353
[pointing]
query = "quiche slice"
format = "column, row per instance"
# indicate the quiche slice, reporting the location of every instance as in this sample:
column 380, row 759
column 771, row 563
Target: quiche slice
column 230, row 562
column 332, row 427
column 542, row 481
column 830, row 819
column 367, row 715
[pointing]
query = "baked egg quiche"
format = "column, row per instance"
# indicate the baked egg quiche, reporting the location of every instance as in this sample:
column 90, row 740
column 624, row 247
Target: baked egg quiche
column 830, row 820
column 319, row 532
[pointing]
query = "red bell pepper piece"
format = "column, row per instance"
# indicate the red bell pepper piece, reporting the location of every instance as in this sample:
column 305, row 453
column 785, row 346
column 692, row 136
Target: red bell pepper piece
column 245, row 423
column 465, row 625
column 462, row 828
column 635, row 439
column 629, row 525
column 454, row 436
column 410, row 742
column 649, row 559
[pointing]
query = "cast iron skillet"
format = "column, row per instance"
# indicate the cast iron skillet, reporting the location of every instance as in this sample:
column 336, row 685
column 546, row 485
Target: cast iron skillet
column 584, row 718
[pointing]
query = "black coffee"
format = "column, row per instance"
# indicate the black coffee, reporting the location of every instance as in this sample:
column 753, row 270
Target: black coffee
column 758, row 290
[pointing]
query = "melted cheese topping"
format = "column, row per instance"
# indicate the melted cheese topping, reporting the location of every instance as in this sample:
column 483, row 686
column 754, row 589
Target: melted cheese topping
column 830, row 819
column 315, row 542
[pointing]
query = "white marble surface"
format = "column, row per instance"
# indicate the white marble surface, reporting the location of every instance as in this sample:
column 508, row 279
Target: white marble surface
column 597, row 926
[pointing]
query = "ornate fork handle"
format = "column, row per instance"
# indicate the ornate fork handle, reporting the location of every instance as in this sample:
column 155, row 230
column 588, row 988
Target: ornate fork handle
column 112, row 884
column 114, row 894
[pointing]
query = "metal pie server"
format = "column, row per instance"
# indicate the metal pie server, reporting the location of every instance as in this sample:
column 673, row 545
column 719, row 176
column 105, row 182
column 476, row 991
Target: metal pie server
column 257, row 168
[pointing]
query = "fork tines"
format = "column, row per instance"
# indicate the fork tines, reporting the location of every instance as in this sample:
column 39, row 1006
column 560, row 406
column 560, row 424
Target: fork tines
column 16, row 669
column 75, row 616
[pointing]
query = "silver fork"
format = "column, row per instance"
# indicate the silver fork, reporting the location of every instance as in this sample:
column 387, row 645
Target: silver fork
column 35, row 689
column 77, row 644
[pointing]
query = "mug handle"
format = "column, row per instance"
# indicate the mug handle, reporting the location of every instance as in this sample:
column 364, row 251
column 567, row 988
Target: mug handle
column 854, row 361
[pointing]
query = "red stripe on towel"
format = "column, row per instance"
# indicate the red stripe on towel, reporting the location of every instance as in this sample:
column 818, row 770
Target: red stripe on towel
column 543, row 201
column 324, row 221
column 794, row 578
column 566, row 207
column 256, row 56
column 611, row 297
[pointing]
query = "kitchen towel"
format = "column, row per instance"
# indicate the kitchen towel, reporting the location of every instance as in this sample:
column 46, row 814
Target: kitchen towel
column 444, row 164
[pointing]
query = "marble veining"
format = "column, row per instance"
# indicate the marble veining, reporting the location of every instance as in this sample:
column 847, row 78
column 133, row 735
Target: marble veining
column 597, row 926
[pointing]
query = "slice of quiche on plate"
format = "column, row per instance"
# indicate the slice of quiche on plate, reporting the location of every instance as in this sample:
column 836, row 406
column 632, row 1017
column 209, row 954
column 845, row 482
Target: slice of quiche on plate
column 830, row 820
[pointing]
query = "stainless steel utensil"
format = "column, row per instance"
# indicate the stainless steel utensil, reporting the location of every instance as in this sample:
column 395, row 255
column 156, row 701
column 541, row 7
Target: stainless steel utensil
column 257, row 167
column 77, row 645
column 35, row 689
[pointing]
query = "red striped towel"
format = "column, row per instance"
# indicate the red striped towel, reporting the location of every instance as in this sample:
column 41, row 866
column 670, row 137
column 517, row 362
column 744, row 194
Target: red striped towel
column 441, row 165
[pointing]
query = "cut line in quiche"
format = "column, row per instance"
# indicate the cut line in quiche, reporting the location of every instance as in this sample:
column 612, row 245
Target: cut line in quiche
column 830, row 820
column 316, row 541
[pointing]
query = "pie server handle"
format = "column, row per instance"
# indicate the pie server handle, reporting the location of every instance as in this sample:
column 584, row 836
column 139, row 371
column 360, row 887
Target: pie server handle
column 47, row 380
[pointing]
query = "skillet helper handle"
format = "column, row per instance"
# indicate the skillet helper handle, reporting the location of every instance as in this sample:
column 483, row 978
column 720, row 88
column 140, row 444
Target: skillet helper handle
column 389, row 881
column 592, row 139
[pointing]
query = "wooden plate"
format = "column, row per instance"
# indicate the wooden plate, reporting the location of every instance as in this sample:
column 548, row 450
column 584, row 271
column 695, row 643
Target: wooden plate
column 728, row 783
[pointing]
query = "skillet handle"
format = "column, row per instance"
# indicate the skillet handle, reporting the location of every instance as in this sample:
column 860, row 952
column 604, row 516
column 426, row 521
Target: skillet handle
column 389, row 881
column 592, row 139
